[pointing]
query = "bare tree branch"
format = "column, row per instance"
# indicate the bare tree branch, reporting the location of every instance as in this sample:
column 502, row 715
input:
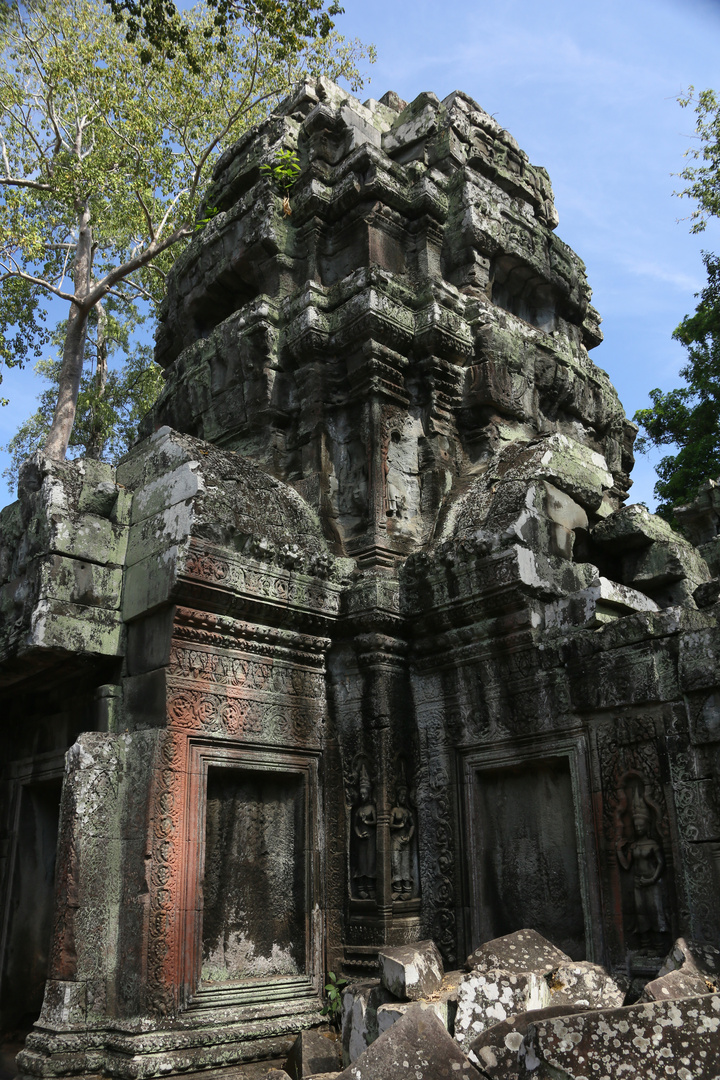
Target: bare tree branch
column 16, row 272
column 8, row 181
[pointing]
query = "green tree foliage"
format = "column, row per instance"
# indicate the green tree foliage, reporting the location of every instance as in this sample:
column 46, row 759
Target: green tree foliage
column 112, row 399
column 105, row 158
column 703, row 178
column 161, row 30
column 689, row 418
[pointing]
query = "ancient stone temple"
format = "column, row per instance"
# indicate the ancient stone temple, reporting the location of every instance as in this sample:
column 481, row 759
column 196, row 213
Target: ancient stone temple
column 360, row 644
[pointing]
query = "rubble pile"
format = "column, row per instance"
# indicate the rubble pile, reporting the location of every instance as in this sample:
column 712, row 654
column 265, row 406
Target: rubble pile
column 522, row 1008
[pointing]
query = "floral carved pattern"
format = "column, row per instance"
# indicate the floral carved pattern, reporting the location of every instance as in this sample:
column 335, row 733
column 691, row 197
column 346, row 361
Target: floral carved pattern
column 442, row 890
column 245, row 575
column 166, row 845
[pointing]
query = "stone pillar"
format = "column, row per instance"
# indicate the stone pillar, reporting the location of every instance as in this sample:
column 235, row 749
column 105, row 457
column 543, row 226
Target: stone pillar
column 382, row 661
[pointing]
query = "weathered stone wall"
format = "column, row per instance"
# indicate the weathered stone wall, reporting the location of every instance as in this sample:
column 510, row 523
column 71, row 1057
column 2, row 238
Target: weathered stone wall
column 368, row 348
column 362, row 613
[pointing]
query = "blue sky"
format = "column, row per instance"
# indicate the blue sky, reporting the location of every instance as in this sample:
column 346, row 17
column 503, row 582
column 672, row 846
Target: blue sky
column 589, row 91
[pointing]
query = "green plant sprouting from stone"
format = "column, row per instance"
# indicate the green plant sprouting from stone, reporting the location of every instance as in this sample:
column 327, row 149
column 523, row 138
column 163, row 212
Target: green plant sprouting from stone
column 283, row 173
column 334, row 988
column 210, row 213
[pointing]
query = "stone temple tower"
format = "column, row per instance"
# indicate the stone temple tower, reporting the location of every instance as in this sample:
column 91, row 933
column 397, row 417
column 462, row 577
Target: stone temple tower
column 359, row 645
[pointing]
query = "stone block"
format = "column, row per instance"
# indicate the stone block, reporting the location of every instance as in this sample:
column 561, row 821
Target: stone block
column 95, row 539
column 633, row 1041
column 563, row 510
column 576, row 470
column 707, row 594
column 443, row 1002
column 99, row 492
column 411, row 972
column 75, row 628
column 160, row 494
column 63, row 1003
column 145, row 699
column 500, row 1049
column 665, row 562
column 711, row 554
column 633, row 527
column 688, row 955
column 80, row 582
column 524, row 950
column 149, row 583
column 313, row 1052
column 600, row 602
column 681, row 983
column 583, row 983
column 699, row 519
column 389, row 1014
column 490, row 997
column 416, row 1046
column 361, row 1001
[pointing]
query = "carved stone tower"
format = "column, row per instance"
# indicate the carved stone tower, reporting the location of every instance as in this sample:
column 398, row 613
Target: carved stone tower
column 359, row 644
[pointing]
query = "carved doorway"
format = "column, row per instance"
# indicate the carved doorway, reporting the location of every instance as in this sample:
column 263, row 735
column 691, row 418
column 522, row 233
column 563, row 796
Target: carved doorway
column 254, row 876
column 254, row 886
column 529, row 858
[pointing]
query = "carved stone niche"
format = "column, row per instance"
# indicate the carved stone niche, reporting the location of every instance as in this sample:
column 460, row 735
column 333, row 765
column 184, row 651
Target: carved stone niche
column 527, row 811
column 362, row 822
column 252, row 879
column 404, row 866
column 646, row 903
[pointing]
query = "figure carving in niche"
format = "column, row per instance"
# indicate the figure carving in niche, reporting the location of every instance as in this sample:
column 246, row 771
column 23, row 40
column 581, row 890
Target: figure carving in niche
column 402, row 830
column 395, row 500
column 640, row 851
column 364, row 830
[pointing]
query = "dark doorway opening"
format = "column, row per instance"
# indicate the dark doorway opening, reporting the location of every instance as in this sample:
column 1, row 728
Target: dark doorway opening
column 525, row 858
column 254, row 888
column 30, row 904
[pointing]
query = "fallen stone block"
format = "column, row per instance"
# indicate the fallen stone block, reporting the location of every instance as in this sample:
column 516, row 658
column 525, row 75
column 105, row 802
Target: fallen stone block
column 583, row 983
column 523, row 950
column 491, row 997
column 411, row 972
column 633, row 1041
column 361, row 1001
column 680, row 983
column 692, row 956
column 500, row 1049
column 417, row 1046
column 313, row 1052
column 443, row 1003
column 486, row 998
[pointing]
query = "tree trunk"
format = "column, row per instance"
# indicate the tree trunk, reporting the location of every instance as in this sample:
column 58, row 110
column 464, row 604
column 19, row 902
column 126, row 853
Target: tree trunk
column 58, row 438
column 96, row 440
